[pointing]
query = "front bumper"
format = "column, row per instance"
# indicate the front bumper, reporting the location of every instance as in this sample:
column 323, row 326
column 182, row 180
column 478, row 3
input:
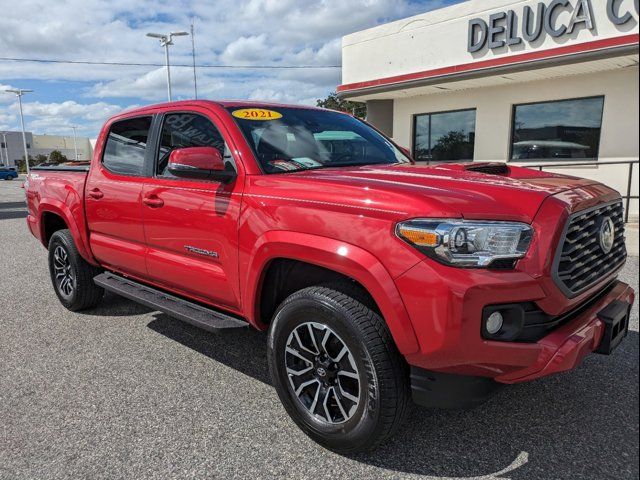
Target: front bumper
column 446, row 314
column 565, row 348
column 601, row 334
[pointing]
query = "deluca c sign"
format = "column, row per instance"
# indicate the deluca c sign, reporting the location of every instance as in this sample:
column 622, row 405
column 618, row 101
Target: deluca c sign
column 556, row 18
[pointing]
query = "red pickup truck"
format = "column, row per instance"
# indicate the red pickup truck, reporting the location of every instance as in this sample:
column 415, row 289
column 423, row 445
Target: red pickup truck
column 378, row 280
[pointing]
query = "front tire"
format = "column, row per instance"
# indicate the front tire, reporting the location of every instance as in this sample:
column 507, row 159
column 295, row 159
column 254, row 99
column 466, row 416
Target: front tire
column 336, row 370
column 71, row 275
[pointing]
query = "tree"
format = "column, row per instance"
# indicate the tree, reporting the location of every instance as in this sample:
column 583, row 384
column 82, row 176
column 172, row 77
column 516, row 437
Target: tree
column 22, row 167
column 56, row 156
column 333, row 102
column 452, row 146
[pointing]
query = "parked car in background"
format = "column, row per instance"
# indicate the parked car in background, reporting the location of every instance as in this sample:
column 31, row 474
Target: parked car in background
column 377, row 279
column 8, row 173
column 540, row 149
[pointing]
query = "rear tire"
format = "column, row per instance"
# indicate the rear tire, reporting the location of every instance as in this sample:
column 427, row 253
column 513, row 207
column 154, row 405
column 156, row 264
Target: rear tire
column 356, row 394
column 71, row 275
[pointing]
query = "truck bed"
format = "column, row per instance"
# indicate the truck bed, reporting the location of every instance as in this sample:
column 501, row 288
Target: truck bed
column 58, row 190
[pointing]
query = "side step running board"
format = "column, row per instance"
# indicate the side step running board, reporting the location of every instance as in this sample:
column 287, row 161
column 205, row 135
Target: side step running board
column 176, row 307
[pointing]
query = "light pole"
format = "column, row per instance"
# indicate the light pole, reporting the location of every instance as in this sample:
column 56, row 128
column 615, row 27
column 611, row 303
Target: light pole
column 75, row 144
column 193, row 58
column 20, row 92
column 165, row 41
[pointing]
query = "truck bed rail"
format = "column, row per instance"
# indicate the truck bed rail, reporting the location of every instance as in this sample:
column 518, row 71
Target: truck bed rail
column 62, row 168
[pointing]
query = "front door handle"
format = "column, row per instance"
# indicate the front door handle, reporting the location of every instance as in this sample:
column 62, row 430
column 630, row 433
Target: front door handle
column 96, row 193
column 153, row 201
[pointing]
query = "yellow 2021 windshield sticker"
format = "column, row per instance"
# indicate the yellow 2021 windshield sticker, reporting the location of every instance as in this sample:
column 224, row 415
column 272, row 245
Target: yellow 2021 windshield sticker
column 258, row 114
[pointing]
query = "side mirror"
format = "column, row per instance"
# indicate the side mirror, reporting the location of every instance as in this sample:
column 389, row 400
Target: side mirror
column 199, row 162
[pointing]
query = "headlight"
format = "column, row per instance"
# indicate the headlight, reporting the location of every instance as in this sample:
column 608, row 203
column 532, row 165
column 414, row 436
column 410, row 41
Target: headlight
column 464, row 243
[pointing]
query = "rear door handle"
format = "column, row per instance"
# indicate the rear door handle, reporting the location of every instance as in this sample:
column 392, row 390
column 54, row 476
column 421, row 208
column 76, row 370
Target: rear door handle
column 96, row 193
column 153, row 201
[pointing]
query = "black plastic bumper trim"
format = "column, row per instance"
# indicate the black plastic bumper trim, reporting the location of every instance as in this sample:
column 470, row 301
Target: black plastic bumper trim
column 615, row 317
column 448, row 391
column 538, row 324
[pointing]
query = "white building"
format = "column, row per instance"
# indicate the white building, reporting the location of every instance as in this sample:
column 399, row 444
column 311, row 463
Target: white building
column 12, row 149
column 547, row 82
column 45, row 144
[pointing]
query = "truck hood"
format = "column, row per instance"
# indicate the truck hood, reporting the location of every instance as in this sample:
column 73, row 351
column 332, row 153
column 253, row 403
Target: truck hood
column 451, row 190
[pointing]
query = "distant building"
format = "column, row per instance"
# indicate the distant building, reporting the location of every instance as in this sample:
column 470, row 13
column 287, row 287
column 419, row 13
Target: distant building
column 13, row 149
column 45, row 144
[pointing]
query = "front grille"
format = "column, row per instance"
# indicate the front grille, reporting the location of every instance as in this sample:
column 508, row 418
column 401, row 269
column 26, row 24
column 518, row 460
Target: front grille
column 581, row 262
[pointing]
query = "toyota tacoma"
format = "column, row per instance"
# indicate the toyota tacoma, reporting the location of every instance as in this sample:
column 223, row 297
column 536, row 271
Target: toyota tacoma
column 378, row 280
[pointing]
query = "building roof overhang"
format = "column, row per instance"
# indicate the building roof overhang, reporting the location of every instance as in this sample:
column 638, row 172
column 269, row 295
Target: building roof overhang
column 585, row 57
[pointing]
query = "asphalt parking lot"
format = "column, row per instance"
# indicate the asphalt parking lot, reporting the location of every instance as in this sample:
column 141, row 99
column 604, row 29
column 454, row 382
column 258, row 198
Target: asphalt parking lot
column 124, row 392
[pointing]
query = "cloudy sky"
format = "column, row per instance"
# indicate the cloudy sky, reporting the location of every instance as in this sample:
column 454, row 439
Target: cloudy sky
column 228, row 32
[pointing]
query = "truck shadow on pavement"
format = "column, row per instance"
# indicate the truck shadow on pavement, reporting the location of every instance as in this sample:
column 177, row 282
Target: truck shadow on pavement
column 228, row 347
column 572, row 425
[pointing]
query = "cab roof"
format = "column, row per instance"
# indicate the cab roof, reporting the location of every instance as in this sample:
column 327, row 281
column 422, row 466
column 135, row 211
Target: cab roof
column 222, row 103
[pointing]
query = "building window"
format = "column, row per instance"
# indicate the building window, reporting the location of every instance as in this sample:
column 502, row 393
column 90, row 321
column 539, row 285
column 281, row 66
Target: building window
column 559, row 130
column 126, row 146
column 445, row 136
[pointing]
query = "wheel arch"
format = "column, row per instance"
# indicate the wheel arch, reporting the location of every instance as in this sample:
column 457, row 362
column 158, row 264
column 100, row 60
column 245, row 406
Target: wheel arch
column 56, row 216
column 51, row 222
column 342, row 261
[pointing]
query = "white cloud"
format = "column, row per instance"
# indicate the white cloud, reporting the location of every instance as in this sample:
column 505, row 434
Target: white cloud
column 149, row 86
column 262, row 31
column 93, row 111
column 6, row 121
column 57, row 118
column 245, row 50
column 8, row 109
column 238, row 32
column 4, row 96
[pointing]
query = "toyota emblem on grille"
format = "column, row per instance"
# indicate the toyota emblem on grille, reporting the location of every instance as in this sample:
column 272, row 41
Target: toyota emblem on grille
column 607, row 234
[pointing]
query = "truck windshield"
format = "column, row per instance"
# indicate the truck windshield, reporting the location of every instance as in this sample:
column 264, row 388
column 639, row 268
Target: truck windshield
column 293, row 139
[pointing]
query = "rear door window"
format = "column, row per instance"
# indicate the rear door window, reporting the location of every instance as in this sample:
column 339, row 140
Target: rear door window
column 126, row 146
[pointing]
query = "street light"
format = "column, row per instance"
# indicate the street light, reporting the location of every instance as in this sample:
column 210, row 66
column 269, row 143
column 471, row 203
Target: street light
column 165, row 41
column 20, row 92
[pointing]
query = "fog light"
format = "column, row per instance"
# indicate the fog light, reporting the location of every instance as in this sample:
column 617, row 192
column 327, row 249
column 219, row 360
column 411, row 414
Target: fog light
column 494, row 323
